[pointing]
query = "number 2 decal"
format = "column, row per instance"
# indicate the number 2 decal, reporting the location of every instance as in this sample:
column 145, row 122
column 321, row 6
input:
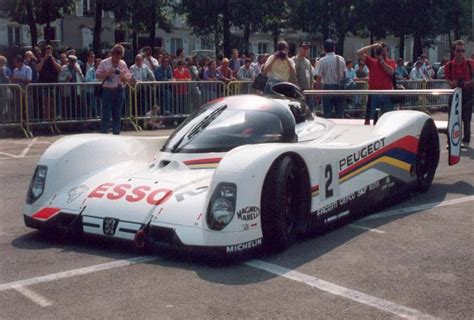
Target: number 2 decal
column 329, row 180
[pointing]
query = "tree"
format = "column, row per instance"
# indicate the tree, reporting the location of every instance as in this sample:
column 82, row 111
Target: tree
column 210, row 17
column 457, row 19
column 33, row 12
column 142, row 16
column 248, row 16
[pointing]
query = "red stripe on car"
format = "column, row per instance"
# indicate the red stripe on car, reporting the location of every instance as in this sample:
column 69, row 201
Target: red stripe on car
column 203, row 161
column 46, row 213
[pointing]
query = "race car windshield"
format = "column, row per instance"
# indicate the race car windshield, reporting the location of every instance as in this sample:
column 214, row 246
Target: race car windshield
column 221, row 129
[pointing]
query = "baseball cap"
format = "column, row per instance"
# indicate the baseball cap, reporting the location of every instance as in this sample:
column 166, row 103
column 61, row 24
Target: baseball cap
column 304, row 43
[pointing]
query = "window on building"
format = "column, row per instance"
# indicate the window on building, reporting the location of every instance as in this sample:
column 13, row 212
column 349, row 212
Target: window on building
column 88, row 7
column 176, row 43
column 14, row 36
column 262, row 47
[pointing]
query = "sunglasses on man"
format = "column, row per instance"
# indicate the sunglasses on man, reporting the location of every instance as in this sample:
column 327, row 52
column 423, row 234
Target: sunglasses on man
column 460, row 50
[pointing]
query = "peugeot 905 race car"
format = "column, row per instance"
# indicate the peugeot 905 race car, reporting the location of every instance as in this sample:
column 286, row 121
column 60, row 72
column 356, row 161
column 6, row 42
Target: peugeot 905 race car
column 241, row 173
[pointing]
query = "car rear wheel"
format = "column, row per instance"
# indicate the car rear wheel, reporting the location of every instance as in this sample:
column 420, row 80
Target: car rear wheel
column 280, row 204
column 427, row 157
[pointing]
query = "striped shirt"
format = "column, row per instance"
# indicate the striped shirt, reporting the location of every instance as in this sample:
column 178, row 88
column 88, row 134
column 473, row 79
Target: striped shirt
column 327, row 68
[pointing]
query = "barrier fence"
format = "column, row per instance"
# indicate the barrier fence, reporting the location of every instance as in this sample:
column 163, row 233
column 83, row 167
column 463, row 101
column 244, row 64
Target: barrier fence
column 57, row 104
column 172, row 99
column 12, row 107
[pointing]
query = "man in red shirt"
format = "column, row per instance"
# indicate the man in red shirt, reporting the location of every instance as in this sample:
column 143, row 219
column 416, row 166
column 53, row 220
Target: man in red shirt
column 381, row 69
column 459, row 74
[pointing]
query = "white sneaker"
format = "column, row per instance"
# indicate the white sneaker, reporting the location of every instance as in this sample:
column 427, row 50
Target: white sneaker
column 465, row 145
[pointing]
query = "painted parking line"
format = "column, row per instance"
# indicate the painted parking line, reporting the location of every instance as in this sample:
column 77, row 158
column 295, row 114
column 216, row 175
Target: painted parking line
column 75, row 272
column 33, row 296
column 427, row 206
column 354, row 295
column 356, row 226
column 28, row 147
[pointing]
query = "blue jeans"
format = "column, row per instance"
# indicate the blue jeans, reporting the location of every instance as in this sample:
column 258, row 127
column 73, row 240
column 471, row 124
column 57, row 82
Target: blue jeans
column 384, row 102
column 332, row 101
column 311, row 103
column 112, row 104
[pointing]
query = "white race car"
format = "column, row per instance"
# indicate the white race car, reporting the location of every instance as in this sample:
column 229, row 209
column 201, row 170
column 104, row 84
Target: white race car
column 241, row 173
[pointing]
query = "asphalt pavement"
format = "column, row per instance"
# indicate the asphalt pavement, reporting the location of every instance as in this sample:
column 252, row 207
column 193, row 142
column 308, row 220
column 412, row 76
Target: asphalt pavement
column 414, row 260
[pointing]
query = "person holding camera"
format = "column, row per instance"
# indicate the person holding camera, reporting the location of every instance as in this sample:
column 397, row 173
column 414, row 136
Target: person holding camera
column 278, row 67
column 381, row 69
column 459, row 74
column 48, row 71
column 114, row 74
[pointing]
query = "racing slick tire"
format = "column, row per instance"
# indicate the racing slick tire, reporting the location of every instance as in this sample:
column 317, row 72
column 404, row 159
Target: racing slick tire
column 427, row 156
column 282, row 209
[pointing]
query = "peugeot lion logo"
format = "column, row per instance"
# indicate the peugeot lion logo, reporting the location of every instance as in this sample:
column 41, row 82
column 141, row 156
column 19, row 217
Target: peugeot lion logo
column 109, row 226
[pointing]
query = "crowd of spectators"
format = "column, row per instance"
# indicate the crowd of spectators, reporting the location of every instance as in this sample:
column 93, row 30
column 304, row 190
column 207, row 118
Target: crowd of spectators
column 329, row 71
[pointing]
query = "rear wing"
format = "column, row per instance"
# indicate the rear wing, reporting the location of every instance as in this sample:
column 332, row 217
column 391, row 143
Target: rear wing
column 452, row 127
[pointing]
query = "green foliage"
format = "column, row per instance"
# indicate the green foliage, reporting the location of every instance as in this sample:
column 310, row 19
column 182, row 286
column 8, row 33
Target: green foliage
column 32, row 12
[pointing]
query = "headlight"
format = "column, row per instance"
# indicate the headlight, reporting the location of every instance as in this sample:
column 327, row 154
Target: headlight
column 37, row 184
column 222, row 206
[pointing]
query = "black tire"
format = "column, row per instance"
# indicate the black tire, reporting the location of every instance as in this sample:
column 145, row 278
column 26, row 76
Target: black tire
column 427, row 156
column 281, row 204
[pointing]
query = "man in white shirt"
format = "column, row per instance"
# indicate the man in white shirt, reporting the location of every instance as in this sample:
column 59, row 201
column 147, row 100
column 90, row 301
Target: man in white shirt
column 417, row 73
column 329, row 71
column 22, row 74
column 148, row 59
column 140, row 71
column 246, row 72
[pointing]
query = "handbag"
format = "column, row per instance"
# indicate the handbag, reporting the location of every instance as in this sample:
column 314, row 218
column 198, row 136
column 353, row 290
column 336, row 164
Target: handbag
column 99, row 89
column 260, row 82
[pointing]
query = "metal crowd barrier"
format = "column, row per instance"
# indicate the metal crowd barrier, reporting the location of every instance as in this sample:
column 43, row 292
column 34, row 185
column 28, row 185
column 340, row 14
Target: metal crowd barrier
column 54, row 104
column 173, row 100
column 412, row 102
column 240, row 87
column 57, row 104
column 393, row 94
column 437, row 101
column 12, row 110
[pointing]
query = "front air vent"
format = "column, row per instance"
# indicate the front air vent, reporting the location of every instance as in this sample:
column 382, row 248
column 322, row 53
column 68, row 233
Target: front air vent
column 163, row 163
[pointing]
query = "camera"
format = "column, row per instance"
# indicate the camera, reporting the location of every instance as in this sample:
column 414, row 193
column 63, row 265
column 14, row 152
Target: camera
column 461, row 83
column 282, row 55
column 378, row 51
column 117, row 71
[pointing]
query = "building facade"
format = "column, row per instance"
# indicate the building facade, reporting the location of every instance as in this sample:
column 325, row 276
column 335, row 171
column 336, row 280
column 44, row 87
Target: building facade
column 75, row 31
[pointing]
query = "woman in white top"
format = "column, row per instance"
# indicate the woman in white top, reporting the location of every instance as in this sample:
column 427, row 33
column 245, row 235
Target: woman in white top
column 279, row 67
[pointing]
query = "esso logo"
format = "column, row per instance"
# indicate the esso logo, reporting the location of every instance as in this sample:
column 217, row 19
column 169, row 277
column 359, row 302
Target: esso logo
column 114, row 191
column 456, row 134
